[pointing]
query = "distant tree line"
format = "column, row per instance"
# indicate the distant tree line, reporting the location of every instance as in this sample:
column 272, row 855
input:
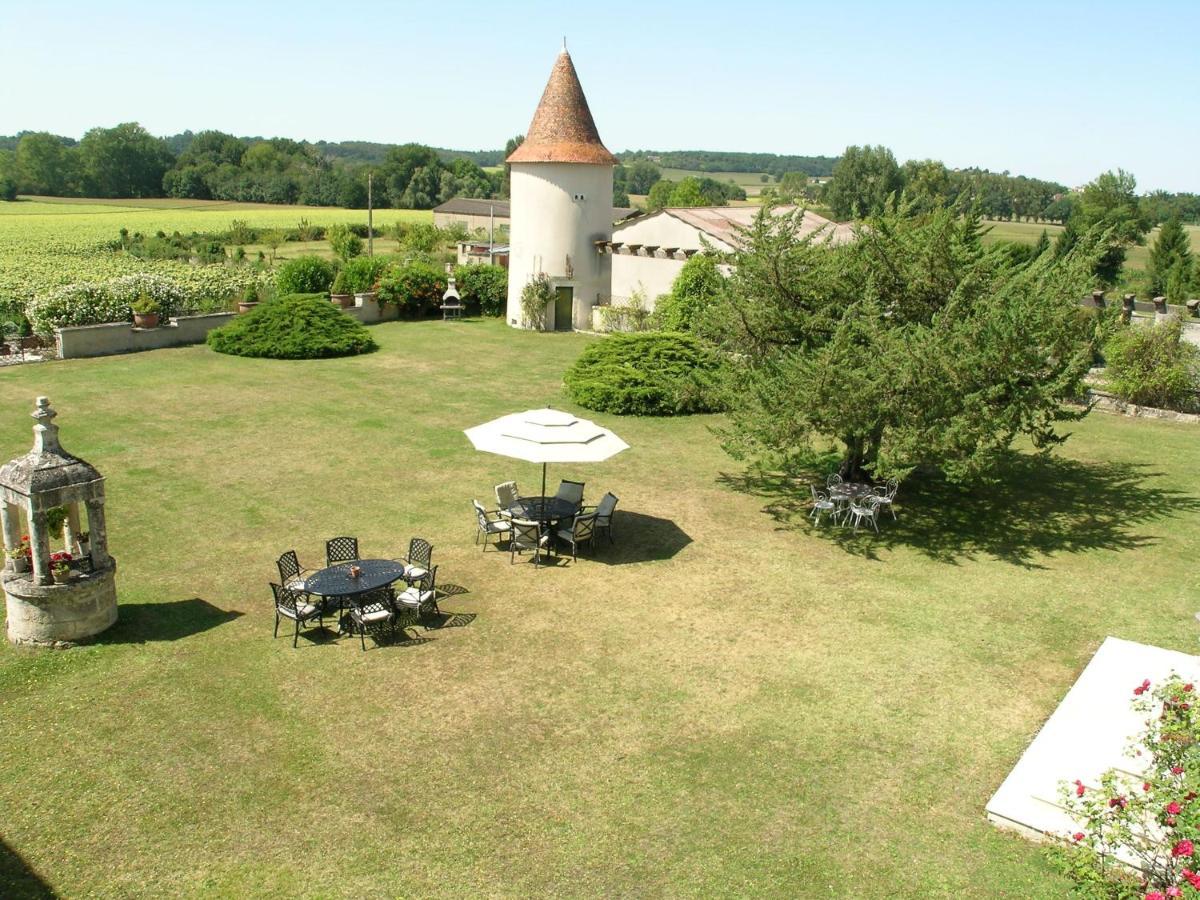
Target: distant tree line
column 127, row 161
column 714, row 161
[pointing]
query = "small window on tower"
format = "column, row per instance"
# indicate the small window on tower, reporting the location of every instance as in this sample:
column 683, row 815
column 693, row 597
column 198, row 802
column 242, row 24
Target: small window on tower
column 580, row 197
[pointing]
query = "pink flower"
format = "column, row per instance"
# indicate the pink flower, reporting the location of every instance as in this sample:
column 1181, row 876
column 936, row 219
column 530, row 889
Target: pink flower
column 1192, row 878
column 1176, row 770
column 1173, row 808
column 1183, row 848
column 1173, row 891
column 1077, row 836
column 1155, row 895
column 1170, row 820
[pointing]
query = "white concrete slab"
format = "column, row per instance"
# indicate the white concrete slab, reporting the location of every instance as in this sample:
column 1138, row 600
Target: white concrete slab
column 1087, row 735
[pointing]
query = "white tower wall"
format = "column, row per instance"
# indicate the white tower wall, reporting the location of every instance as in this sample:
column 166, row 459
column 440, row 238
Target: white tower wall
column 558, row 212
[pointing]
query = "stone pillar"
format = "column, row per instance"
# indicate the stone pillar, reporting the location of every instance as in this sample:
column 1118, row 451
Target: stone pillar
column 1160, row 309
column 39, row 542
column 1127, row 303
column 1098, row 299
column 10, row 520
column 96, row 533
column 1193, row 307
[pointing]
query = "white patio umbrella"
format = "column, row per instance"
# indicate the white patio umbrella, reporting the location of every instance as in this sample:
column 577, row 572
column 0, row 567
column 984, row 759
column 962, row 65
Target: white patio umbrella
column 546, row 436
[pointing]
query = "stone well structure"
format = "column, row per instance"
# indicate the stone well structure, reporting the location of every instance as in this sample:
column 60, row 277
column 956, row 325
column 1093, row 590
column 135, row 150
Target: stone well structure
column 39, row 611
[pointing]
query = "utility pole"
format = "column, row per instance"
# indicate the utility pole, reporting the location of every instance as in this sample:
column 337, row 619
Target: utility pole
column 491, row 235
column 370, row 220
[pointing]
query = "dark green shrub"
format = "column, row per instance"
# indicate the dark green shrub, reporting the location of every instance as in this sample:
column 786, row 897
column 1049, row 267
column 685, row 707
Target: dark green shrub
column 415, row 287
column 1154, row 366
column 304, row 275
column 649, row 374
column 696, row 288
column 363, row 273
column 483, row 289
column 293, row 326
column 8, row 188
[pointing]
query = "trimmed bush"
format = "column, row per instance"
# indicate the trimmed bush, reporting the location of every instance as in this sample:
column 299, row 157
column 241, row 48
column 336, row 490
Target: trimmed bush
column 1153, row 366
column 696, row 288
column 293, row 326
column 483, row 288
column 650, row 374
column 363, row 273
column 415, row 288
column 305, row 275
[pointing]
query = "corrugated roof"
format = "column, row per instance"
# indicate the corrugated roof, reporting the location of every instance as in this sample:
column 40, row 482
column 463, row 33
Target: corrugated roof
column 724, row 222
column 562, row 129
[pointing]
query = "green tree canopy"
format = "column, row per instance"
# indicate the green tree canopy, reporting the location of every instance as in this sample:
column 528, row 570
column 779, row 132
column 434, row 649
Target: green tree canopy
column 46, row 165
column 1171, row 260
column 125, row 161
column 911, row 345
column 865, row 181
column 1111, row 202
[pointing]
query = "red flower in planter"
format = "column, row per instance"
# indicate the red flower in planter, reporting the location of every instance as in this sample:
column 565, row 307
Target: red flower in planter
column 1142, row 688
column 1176, row 770
column 1192, row 878
column 1173, row 808
column 1187, row 688
column 1145, row 785
column 1120, row 802
column 1155, row 895
column 1183, row 848
column 1079, row 788
column 1077, row 836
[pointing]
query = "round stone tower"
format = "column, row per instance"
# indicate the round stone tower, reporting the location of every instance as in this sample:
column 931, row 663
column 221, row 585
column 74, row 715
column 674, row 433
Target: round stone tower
column 561, row 205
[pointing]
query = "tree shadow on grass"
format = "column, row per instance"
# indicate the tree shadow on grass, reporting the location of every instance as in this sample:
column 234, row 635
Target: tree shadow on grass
column 1040, row 505
column 18, row 880
column 138, row 623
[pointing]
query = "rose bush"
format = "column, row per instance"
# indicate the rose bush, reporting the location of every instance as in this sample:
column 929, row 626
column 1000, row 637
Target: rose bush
column 1139, row 835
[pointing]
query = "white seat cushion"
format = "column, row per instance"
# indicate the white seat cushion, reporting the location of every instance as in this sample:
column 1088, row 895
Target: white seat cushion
column 499, row 526
column 303, row 611
column 413, row 597
column 415, row 572
column 375, row 615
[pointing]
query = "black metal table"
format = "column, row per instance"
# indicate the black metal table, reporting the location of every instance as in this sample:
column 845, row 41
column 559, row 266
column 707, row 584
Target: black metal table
column 336, row 582
column 543, row 509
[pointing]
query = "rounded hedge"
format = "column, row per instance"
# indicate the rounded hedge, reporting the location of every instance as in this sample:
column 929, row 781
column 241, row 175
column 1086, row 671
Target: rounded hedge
column 294, row 326
column 304, row 275
column 647, row 374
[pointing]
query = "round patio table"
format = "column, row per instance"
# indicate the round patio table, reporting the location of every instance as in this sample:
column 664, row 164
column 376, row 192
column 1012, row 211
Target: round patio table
column 543, row 509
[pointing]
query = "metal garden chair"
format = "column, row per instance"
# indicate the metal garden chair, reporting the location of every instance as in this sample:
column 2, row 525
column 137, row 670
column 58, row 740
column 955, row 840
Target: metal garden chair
column 490, row 523
column 507, row 496
column 292, row 605
column 340, row 550
column 420, row 555
column 605, row 511
column 821, row 504
column 865, row 509
column 527, row 535
column 420, row 597
column 887, row 495
column 582, row 530
column 572, row 492
column 371, row 611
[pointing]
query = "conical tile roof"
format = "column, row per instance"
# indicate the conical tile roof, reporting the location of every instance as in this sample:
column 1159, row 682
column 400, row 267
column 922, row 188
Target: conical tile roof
column 562, row 129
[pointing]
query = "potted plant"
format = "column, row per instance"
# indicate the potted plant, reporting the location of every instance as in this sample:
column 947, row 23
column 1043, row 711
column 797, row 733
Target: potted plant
column 21, row 555
column 83, row 544
column 249, row 299
column 60, row 566
column 145, row 311
column 340, row 293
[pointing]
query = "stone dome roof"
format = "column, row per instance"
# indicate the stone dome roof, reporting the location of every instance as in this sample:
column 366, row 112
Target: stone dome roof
column 47, row 467
column 562, row 129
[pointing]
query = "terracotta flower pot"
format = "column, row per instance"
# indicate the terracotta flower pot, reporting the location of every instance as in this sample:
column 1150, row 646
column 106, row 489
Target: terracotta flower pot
column 345, row 301
column 244, row 307
column 145, row 320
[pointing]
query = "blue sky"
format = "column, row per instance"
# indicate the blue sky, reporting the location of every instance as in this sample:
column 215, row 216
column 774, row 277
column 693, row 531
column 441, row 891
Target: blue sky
column 1056, row 90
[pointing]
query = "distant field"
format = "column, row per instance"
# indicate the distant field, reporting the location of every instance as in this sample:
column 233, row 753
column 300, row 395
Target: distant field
column 1029, row 232
column 751, row 181
column 50, row 241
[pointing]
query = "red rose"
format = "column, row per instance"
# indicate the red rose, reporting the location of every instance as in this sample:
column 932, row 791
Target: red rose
column 1176, row 770
column 1174, row 808
column 1183, row 848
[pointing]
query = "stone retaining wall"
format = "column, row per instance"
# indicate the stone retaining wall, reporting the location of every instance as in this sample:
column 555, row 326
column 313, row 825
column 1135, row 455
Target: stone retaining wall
column 121, row 337
column 1107, row 402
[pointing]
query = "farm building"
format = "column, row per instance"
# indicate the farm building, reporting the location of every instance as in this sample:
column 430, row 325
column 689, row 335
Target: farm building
column 647, row 253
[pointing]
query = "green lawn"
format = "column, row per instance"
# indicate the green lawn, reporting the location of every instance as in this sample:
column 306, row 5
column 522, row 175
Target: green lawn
column 1137, row 258
column 726, row 703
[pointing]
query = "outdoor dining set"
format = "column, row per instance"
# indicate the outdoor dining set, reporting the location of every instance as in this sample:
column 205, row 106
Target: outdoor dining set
column 543, row 524
column 358, row 593
column 852, row 502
